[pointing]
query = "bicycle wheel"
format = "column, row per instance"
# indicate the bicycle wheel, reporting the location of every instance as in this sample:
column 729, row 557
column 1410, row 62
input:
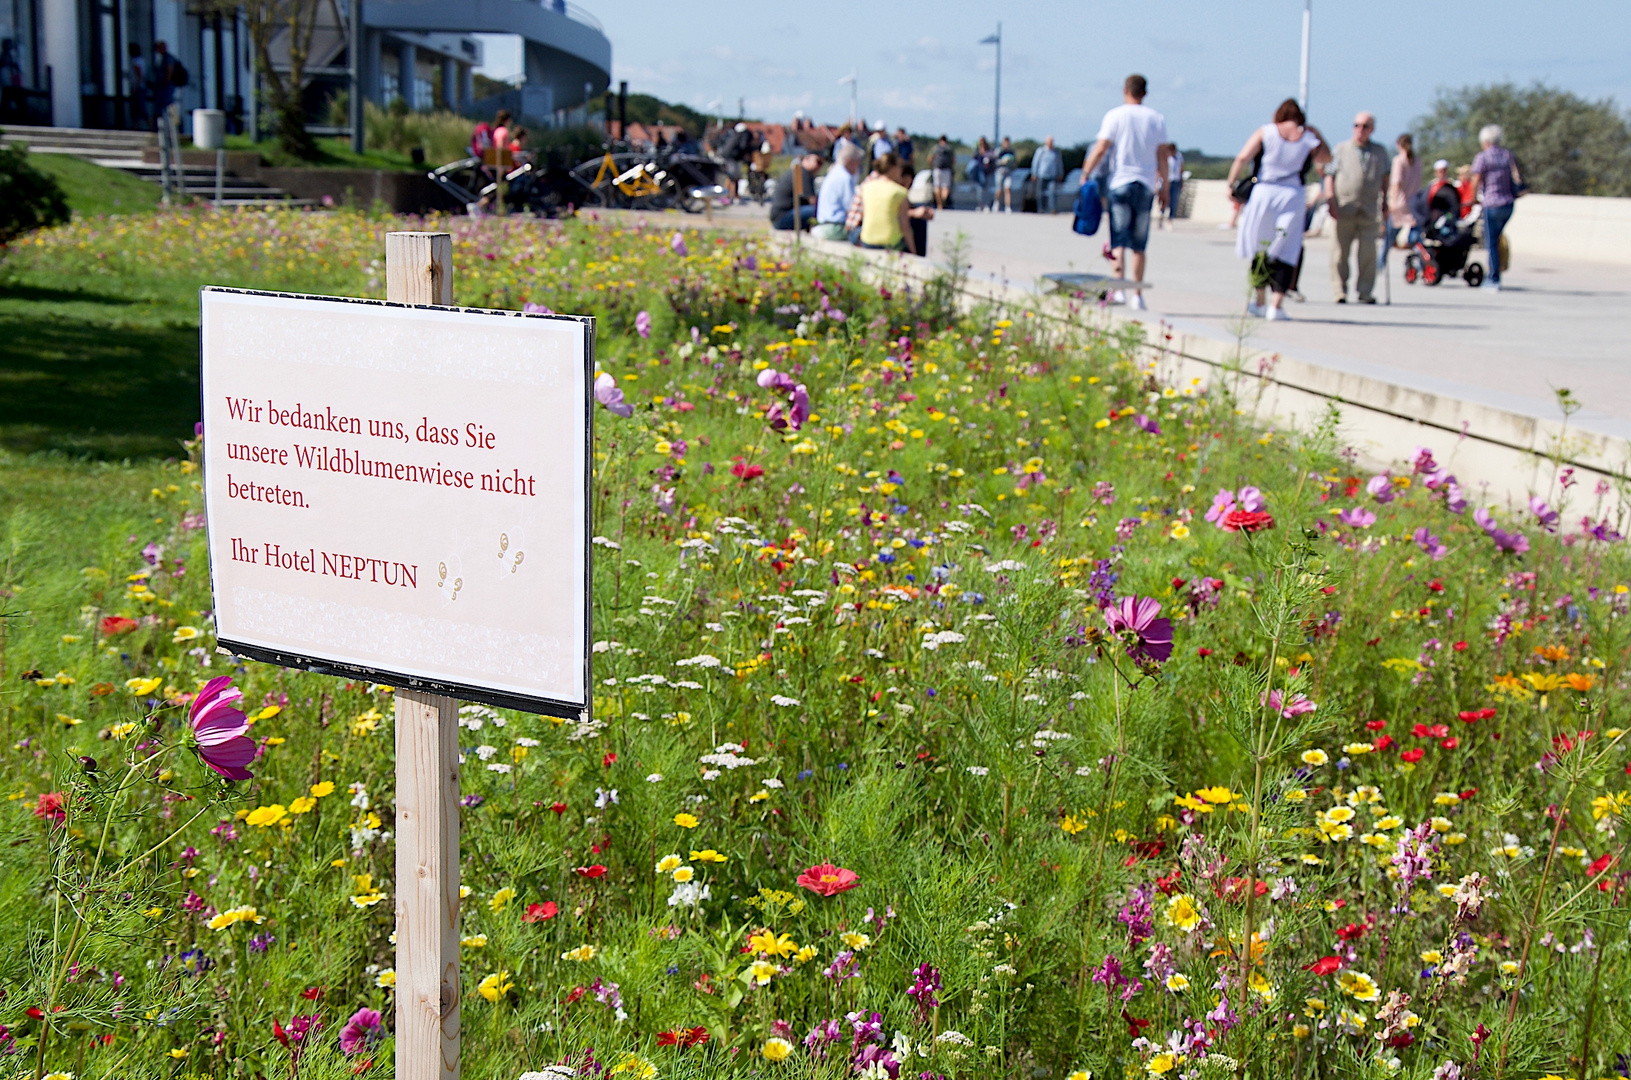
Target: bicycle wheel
column 593, row 194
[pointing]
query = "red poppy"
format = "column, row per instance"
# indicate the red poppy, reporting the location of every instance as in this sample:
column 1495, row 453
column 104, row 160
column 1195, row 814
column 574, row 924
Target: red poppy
column 312, row 993
column 1375, row 725
column 1169, row 884
column 1246, row 521
column 559, row 808
column 540, row 912
column 1602, row 863
column 1134, row 1024
column 1451, row 743
column 103, row 689
column 49, row 807
column 828, row 880
column 1383, row 743
column 1352, row 932
column 1460, row 646
column 1413, row 756
column 1325, row 965
column 1472, row 715
column 609, row 760
column 745, row 472
column 1203, row 651
column 1465, row 795
column 589, row 871
column 114, row 625
column 577, row 992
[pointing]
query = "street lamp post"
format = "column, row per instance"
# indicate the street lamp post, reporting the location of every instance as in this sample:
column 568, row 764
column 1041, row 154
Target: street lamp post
column 353, row 49
column 853, row 91
column 996, row 116
column 1308, row 18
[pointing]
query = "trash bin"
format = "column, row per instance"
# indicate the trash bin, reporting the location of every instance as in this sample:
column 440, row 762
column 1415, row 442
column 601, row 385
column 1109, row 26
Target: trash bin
column 209, row 129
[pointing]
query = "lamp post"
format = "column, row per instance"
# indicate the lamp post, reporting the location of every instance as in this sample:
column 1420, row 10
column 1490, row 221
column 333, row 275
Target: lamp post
column 996, row 116
column 1308, row 18
column 353, row 50
column 853, row 90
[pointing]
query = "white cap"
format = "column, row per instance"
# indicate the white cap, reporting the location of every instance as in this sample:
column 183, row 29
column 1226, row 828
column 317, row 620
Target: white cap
column 741, row 127
column 1441, row 164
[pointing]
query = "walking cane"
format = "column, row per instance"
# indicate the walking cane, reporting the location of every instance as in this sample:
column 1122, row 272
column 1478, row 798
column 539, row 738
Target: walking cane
column 1387, row 253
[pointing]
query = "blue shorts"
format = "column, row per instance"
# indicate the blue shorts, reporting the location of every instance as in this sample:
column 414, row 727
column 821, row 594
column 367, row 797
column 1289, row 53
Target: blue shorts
column 1130, row 216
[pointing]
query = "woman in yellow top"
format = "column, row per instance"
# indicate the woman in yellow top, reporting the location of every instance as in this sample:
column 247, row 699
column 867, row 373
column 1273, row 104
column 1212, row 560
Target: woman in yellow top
column 885, row 212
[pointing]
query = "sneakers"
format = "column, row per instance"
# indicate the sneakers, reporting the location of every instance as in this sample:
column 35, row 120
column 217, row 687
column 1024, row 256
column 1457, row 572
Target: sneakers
column 1342, row 299
column 1256, row 311
column 1136, row 303
column 1488, row 284
column 1367, row 299
column 1278, row 315
column 1118, row 297
column 1295, row 295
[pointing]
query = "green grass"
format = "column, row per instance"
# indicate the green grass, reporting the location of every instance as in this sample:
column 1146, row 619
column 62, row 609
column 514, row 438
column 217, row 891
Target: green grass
column 333, row 154
column 95, row 190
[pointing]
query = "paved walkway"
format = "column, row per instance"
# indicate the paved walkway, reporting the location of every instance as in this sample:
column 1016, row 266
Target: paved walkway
column 1554, row 326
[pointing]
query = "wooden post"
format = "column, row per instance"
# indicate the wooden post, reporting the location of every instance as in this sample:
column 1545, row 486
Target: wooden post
column 419, row 270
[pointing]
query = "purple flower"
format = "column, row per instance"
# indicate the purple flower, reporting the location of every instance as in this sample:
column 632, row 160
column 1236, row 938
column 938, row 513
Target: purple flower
column 867, row 1028
column 1296, row 706
column 1514, row 542
column 1455, row 501
column 1429, row 543
column 1600, row 531
column 822, row 1036
column 771, row 379
column 793, row 417
column 215, row 730
column 609, row 394
column 1545, row 515
column 1134, row 617
column 880, row 1057
column 1381, row 488
column 925, row 981
column 676, row 244
column 1138, row 914
column 360, row 1032
column 195, row 963
column 1104, row 492
column 1147, row 423
column 1357, row 518
column 642, row 324
column 1222, row 503
column 1126, row 526
column 1423, row 461
column 536, row 309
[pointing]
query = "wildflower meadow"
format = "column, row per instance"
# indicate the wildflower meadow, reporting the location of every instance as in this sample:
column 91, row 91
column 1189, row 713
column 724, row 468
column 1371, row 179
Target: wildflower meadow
column 973, row 699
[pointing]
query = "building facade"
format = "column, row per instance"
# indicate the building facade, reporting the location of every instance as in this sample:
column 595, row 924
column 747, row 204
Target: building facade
column 83, row 63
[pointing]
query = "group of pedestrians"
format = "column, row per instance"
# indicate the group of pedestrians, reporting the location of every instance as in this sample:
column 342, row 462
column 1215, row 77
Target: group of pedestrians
column 872, row 213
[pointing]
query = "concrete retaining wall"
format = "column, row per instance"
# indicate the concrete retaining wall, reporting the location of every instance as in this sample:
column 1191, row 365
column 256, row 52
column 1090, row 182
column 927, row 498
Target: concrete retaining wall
column 1509, row 455
column 1578, row 228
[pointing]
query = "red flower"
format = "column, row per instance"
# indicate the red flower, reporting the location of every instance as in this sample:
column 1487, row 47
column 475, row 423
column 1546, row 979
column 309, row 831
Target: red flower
column 609, row 760
column 1375, row 725
column 1352, row 932
column 35, row 1012
column 828, row 880
column 1460, row 646
column 577, row 992
column 1413, row 756
column 668, row 1038
column 1169, row 884
column 1325, row 965
column 1451, row 743
column 1601, row 863
column 1383, row 743
column 114, row 625
column 559, row 808
column 312, row 993
column 1203, row 652
column 540, row 912
column 1246, row 521
column 1469, row 793
column 50, row 807
column 1475, row 714
column 589, row 871
column 745, row 472
column 1134, row 1024
column 683, row 1037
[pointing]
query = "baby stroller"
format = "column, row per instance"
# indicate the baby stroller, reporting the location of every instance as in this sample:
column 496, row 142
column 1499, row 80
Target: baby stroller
column 1446, row 245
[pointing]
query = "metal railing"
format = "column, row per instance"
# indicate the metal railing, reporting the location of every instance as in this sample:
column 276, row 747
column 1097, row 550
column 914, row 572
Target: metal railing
column 578, row 14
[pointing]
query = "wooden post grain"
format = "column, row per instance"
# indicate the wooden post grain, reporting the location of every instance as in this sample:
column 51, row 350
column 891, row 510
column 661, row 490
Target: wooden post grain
column 419, row 270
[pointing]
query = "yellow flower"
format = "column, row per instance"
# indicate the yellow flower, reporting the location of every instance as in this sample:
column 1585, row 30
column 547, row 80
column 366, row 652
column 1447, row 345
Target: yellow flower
column 855, row 941
column 1080, row 1074
column 707, row 855
column 1354, row 749
column 636, row 1067
column 499, row 899
column 266, row 816
column 767, row 942
column 1314, row 1008
column 1072, row 824
column 1182, row 913
column 686, row 821
column 776, row 1049
column 1180, row 531
column 1432, row 956
column 185, row 633
column 1339, row 814
column 1301, row 1031
column 233, row 916
column 322, row 790
column 1162, row 1063
column 684, row 874
column 668, row 864
column 495, row 985
column 119, row 731
column 141, row 687
column 1392, row 821
column 1315, row 757
column 386, row 980
column 302, row 805
column 179, row 1052
column 1358, row 985
column 1177, row 983
column 579, row 954
column 759, row 972
column 1216, row 795
column 805, row 955
column 474, row 941
column 1260, row 985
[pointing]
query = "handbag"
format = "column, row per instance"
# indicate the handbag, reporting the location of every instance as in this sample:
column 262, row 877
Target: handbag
column 1088, row 209
column 1241, row 192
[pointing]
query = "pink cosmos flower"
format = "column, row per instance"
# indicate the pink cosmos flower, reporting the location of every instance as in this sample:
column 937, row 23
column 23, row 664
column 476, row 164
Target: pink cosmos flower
column 642, row 324
column 771, row 379
column 1136, row 615
column 828, row 880
column 1381, row 488
column 609, row 394
column 1296, row 706
column 677, row 245
column 1357, row 518
column 361, row 1031
column 216, row 730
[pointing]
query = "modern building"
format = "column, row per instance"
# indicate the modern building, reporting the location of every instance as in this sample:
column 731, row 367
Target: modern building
column 75, row 63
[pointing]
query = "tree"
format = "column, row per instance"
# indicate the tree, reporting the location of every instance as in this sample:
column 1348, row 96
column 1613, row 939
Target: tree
column 1565, row 145
column 29, row 198
column 295, row 21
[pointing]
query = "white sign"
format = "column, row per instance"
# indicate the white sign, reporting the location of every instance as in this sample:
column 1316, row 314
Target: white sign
column 401, row 493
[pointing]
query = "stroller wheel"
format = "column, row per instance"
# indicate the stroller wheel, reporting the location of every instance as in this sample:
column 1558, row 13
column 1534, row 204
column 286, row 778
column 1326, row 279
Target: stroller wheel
column 1430, row 274
column 1473, row 274
column 1412, row 268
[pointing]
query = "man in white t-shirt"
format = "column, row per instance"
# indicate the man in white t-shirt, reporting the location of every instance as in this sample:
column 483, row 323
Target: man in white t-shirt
column 1135, row 137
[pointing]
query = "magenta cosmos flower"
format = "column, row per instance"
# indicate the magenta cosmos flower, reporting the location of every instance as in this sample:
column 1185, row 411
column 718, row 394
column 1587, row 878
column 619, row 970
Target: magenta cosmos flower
column 360, row 1032
column 215, row 730
column 609, row 394
column 1136, row 616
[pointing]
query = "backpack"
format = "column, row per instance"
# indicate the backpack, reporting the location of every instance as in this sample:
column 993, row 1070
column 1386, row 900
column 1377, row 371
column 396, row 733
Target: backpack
column 178, row 73
column 481, row 140
column 1088, row 209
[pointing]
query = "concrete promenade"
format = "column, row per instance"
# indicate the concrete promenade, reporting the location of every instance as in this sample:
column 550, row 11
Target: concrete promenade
column 1558, row 324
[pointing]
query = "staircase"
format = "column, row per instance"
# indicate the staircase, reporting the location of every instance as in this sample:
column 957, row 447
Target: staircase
column 128, row 151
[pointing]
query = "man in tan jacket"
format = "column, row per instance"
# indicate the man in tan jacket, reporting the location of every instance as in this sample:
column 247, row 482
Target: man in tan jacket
column 1354, row 185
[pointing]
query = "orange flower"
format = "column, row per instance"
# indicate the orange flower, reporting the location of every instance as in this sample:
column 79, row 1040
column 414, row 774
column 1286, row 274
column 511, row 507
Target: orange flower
column 1554, row 653
column 1581, row 683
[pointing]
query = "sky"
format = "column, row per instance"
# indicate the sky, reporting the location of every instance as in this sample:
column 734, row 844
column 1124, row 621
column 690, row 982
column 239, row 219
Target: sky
column 1216, row 68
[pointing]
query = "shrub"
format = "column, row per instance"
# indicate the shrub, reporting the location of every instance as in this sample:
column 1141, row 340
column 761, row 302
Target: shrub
column 29, row 199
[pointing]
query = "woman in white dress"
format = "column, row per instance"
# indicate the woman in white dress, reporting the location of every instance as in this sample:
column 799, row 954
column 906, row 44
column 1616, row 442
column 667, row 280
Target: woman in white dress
column 1271, row 224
